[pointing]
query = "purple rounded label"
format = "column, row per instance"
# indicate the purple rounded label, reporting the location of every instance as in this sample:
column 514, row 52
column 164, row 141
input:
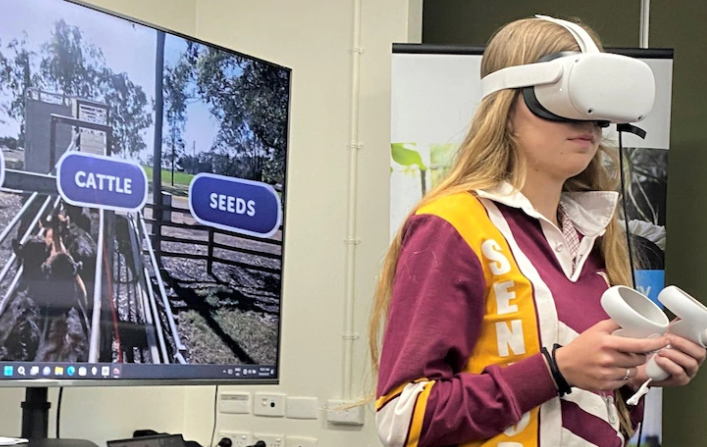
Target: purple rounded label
column 97, row 181
column 234, row 204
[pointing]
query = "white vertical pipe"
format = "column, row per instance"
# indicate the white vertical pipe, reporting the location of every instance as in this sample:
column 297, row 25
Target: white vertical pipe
column 349, row 336
column 645, row 22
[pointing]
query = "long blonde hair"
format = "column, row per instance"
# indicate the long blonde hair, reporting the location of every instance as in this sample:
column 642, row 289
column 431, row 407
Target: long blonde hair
column 489, row 155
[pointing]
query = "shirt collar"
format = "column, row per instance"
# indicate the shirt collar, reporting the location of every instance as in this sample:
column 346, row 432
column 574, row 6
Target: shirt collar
column 590, row 211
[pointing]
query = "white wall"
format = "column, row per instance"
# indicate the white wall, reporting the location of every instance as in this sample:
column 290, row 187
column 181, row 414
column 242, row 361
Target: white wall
column 176, row 15
column 314, row 38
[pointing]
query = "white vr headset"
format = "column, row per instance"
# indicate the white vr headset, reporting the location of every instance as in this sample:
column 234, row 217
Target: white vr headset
column 587, row 86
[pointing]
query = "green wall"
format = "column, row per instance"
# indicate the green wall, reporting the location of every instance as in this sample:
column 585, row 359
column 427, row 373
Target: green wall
column 677, row 24
column 473, row 21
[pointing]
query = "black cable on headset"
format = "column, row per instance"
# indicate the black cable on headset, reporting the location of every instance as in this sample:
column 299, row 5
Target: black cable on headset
column 625, row 208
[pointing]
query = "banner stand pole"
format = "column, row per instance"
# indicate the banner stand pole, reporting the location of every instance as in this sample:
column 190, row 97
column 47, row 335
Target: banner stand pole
column 645, row 23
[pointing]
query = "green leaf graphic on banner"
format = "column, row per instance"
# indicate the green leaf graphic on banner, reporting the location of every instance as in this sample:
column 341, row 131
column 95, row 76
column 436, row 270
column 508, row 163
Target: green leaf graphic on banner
column 442, row 154
column 407, row 157
column 441, row 157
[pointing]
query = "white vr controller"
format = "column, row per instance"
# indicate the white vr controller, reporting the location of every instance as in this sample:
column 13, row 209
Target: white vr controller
column 639, row 317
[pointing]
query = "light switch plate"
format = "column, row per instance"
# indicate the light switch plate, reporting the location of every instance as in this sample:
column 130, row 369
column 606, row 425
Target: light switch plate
column 302, row 408
column 235, row 403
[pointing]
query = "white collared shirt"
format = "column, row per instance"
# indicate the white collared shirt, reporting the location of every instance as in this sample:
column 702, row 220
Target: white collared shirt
column 590, row 213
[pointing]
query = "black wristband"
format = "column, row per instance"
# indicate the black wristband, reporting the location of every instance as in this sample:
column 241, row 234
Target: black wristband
column 562, row 386
column 565, row 387
column 550, row 365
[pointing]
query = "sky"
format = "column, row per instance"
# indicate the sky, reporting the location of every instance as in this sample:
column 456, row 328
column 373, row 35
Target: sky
column 127, row 47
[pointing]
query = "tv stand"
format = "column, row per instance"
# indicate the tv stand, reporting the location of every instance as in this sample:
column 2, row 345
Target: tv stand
column 35, row 421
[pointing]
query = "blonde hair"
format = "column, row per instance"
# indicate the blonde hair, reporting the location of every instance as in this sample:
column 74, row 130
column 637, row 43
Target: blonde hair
column 489, row 155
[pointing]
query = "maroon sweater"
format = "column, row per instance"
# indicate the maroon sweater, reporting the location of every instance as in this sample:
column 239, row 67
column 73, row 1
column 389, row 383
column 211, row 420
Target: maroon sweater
column 480, row 286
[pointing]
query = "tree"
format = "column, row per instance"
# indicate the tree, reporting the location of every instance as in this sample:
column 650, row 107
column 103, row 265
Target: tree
column 265, row 90
column 172, row 158
column 246, row 159
column 17, row 75
column 129, row 115
column 71, row 65
column 175, row 85
column 194, row 164
column 74, row 67
column 250, row 98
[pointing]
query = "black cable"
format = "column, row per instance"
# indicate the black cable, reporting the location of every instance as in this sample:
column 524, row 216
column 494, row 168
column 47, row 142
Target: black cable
column 213, row 430
column 625, row 208
column 58, row 412
column 628, row 240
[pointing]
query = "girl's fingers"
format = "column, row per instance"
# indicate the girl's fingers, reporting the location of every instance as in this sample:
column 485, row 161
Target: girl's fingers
column 688, row 347
column 683, row 361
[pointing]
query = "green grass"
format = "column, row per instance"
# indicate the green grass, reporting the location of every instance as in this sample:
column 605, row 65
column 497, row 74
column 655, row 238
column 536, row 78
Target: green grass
column 180, row 178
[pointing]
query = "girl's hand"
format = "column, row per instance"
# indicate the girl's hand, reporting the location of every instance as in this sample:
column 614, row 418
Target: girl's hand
column 598, row 361
column 682, row 360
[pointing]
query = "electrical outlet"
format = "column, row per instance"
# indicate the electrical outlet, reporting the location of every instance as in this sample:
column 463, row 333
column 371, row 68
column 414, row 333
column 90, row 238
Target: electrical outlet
column 300, row 441
column 269, row 440
column 238, row 438
column 269, row 404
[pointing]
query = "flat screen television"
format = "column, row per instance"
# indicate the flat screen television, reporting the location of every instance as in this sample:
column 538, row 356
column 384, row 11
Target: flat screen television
column 142, row 203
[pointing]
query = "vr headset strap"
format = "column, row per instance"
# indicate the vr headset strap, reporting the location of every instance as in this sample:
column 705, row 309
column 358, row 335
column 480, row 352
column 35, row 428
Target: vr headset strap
column 521, row 76
column 585, row 42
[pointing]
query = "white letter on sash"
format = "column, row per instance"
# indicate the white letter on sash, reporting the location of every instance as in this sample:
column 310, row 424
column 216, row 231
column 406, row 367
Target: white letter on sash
column 510, row 337
column 503, row 297
column 492, row 252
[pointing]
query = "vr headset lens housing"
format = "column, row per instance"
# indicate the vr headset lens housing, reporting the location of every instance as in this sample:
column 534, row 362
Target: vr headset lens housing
column 587, row 86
